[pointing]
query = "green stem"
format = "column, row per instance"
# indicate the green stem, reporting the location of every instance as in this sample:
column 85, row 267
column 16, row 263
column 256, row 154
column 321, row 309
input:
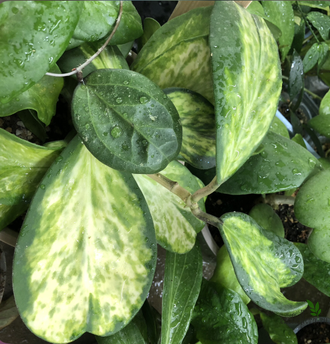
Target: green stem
column 315, row 96
column 205, row 217
column 205, row 191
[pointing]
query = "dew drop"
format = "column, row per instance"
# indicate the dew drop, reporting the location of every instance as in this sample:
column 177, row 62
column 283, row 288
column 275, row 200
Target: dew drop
column 296, row 172
column 15, row 10
column 126, row 82
column 105, row 133
column 42, row 186
column 119, row 100
column 116, row 132
column 311, row 162
column 143, row 100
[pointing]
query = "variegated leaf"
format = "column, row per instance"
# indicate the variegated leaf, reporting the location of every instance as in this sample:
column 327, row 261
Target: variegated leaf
column 247, row 83
column 263, row 263
column 177, row 54
column 198, row 127
column 86, row 254
column 176, row 227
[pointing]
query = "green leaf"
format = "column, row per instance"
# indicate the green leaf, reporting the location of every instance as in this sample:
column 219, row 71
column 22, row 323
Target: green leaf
column 244, row 108
column 278, row 330
column 318, row 243
column 34, row 36
column 321, row 22
column 176, row 227
column 296, row 77
column 126, row 121
column 152, row 319
column 310, row 303
column 220, row 316
column 299, row 34
column 279, row 128
column 263, row 263
column 198, row 127
column 311, row 58
column 97, row 19
column 182, row 284
column 282, row 165
column 315, row 4
column 324, row 48
column 135, row 332
column 312, row 203
column 280, row 13
column 224, row 274
column 300, row 140
column 317, row 306
column 150, row 26
column 41, row 97
column 177, row 54
column 266, row 218
column 316, row 271
column 318, row 313
column 321, row 123
column 32, row 123
column 314, row 314
column 86, row 254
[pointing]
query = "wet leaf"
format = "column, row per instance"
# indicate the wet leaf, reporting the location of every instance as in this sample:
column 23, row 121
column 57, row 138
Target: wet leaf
column 86, row 254
column 178, row 55
column 34, row 37
column 321, row 22
column 321, row 123
column 267, row 218
column 279, row 128
column 315, row 4
column 182, row 284
column 198, row 127
column 243, row 50
column 282, row 165
column 126, row 121
column 41, row 97
column 319, row 242
column 263, row 263
column 220, row 316
column 296, row 77
column 311, row 58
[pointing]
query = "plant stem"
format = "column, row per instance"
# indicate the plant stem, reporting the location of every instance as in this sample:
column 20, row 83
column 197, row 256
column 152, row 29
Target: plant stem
column 315, row 96
column 307, row 23
column 205, row 217
column 205, row 191
column 79, row 69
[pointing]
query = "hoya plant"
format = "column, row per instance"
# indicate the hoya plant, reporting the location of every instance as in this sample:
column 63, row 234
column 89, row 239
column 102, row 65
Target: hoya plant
column 198, row 99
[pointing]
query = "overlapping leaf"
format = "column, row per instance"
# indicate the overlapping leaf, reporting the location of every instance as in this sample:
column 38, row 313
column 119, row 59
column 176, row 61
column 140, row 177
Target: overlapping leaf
column 198, row 127
column 263, row 263
column 126, row 121
column 321, row 22
column 34, row 36
column 176, row 227
column 177, row 55
column 321, row 123
column 86, row 253
column 319, row 242
column 247, row 83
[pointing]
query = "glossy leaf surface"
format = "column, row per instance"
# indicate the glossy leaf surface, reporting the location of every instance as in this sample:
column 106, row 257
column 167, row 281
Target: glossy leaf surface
column 316, row 271
column 220, row 316
column 126, row 121
column 296, row 76
column 98, row 19
column 319, row 242
column 177, row 55
column 244, row 108
column 281, row 165
column 176, row 227
column 267, row 218
column 281, row 14
column 34, row 36
column 311, row 58
column 321, row 123
column 279, row 128
column 263, row 263
column 315, row 4
column 278, row 330
column 41, row 97
column 182, row 284
column 312, row 203
column 198, row 127
column 86, row 254
column 321, row 22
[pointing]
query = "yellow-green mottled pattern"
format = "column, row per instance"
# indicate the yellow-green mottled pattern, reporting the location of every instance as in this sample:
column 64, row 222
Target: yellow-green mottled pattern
column 178, row 55
column 263, row 263
column 247, row 83
column 198, row 127
column 176, row 227
column 86, row 253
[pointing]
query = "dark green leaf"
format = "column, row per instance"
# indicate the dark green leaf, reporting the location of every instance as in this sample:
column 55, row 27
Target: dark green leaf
column 282, row 165
column 318, row 313
column 315, row 4
column 317, row 306
column 32, row 123
column 198, row 127
column 126, row 121
column 220, row 316
column 323, row 50
column 243, row 50
column 280, row 13
column 278, row 330
column 152, row 319
column 319, row 242
column 98, row 18
column 296, row 77
column 310, row 303
column 125, row 48
column 182, row 284
column 299, row 36
column 321, row 123
column 150, row 26
column 41, row 97
column 314, row 314
column 321, row 22
column 267, row 218
column 311, row 58
column 34, row 36
column 263, row 263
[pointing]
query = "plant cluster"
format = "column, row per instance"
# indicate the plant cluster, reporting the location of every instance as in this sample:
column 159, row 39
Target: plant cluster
column 203, row 89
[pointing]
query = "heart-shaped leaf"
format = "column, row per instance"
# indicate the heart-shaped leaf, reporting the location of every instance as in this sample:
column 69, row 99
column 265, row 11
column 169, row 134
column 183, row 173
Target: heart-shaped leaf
column 247, row 83
column 182, row 283
column 86, row 254
column 176, row 227
column 41, row 97
column 282, row 165
column 177, row 54
column 126, row 121
column 34, row 36
column 198, row 127
column 220, row 316
column 263, row 263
